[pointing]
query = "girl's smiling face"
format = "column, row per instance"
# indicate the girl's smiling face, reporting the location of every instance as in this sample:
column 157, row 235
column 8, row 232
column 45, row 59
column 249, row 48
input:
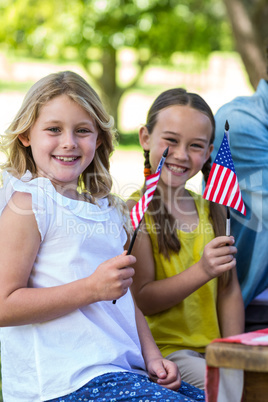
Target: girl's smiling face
column 187, row 132
column 63, row 142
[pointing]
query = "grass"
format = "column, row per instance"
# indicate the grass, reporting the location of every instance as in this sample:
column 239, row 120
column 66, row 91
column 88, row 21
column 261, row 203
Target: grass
column 12, row 86
column 128, row 140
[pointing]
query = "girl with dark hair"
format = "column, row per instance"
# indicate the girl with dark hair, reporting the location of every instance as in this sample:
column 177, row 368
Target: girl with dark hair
column 185, row 276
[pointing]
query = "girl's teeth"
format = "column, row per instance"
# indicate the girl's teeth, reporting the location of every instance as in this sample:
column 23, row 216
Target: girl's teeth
column 176, row 169
column 65, row 158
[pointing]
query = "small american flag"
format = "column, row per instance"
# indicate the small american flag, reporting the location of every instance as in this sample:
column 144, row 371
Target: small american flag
column 151, row 181
column 222, row 186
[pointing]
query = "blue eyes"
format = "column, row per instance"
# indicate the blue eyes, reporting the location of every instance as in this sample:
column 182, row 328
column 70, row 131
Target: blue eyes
column 54, row 129
column 83, row 130
column 57, row 130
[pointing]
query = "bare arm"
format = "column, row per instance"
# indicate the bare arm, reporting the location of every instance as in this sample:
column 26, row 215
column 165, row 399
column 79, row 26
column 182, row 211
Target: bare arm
column 160, row 370
column 19, row 244
column 231, row 310
column 154, row 296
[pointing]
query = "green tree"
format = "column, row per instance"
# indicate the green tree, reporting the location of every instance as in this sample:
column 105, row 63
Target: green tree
column 94, row 31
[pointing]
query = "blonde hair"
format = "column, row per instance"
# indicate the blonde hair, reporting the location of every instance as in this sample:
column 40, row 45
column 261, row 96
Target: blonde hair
column 19, row 157
column 96, row 178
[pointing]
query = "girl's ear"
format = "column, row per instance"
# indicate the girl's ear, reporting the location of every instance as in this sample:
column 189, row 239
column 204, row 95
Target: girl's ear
column 24, row 139
column 144, row 137
column 98, row 142
column 210, row 149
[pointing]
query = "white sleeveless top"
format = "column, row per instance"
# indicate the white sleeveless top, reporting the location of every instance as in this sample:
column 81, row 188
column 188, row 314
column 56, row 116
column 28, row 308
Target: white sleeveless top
column 54, row 358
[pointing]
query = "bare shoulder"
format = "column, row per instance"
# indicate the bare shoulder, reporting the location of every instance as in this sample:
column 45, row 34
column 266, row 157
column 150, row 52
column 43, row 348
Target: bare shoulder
column 21, row 203
column 18, row 216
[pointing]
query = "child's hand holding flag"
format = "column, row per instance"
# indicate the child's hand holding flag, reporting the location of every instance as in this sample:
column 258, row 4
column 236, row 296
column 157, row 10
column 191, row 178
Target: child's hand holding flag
column 140, row 208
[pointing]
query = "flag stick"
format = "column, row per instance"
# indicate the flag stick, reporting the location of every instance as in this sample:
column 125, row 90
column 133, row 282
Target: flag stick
column 228, row 222
column 132, row 240
column 131, row 246
column 228, row 218
column 159, row 168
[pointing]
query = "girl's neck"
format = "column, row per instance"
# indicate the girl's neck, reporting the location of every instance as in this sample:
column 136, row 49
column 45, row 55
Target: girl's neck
column 181, row 205
column 172, row 195
column 70, row 192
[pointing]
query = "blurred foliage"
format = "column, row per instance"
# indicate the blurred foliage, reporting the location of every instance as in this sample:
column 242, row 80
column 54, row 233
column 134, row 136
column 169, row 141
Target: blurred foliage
column 129, row 139
column 93, row 31
column 59, row 28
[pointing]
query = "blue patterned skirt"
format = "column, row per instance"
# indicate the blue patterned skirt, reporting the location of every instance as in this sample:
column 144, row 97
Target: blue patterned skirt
column 128, row 387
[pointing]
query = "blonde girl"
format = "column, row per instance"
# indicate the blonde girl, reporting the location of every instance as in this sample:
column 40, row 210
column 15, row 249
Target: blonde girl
column 181, row 249
column 61, row 244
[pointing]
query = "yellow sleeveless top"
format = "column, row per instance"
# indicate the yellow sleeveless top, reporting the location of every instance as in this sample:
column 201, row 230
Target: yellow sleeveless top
column 193, row 323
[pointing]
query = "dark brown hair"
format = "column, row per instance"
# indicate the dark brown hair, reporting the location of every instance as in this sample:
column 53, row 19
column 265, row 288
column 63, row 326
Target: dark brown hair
column 169, row 241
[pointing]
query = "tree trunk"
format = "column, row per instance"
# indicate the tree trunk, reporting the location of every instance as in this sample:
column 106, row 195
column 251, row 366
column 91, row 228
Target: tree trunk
column 111, row 93
column 247, row 42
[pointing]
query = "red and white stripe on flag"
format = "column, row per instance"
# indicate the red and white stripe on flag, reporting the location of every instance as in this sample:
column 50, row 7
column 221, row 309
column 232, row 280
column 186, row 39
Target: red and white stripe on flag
column 140, row 208
column 223, row 188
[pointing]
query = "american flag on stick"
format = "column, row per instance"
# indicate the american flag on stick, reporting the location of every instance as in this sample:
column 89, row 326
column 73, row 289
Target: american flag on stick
column 151, row 181
column 222, row 185
column 140, row 208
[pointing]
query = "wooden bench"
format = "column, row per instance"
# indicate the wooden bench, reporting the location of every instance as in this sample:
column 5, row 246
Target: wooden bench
column 252, row 359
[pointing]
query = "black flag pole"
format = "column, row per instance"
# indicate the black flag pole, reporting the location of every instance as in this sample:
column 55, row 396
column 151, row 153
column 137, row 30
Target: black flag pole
column 228, row 218
column 131, row 246
column 159, row 169
column 137, row 228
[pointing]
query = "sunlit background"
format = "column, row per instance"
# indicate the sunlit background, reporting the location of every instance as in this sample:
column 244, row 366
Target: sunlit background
column 130, row 51
column 222, row 78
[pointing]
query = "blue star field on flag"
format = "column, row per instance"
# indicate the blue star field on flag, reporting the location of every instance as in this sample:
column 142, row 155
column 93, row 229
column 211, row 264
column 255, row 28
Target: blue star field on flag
column 224, row 156
column 222, row 186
